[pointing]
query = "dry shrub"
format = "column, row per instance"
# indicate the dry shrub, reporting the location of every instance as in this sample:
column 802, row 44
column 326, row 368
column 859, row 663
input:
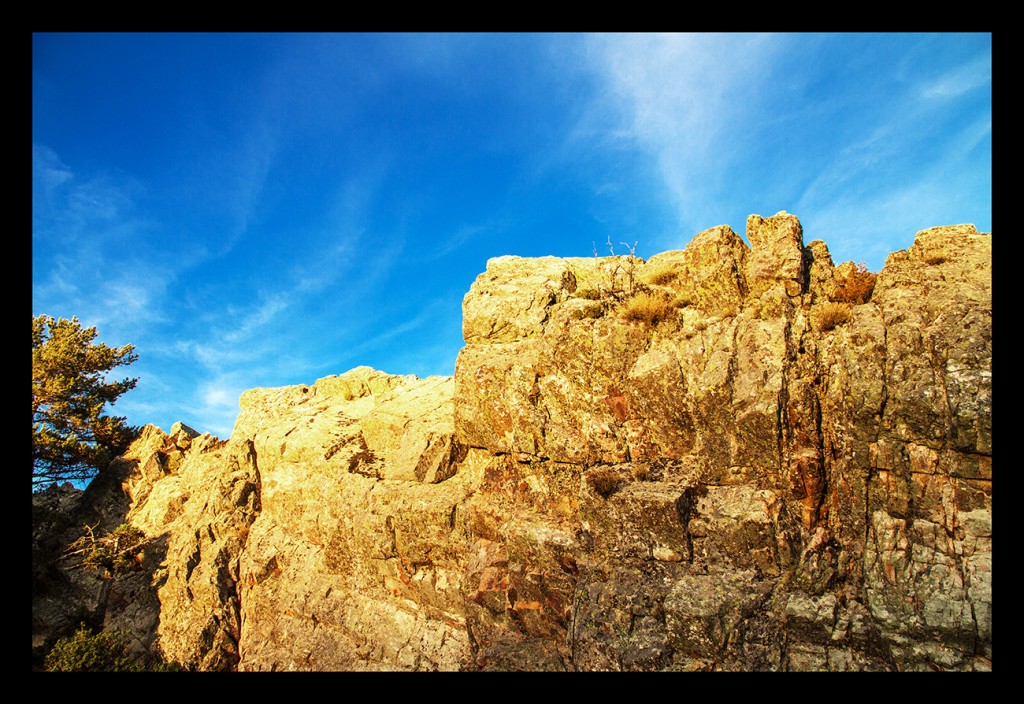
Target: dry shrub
column 832, row 314
column 650, row 308
column 682, row 300
column 119, row 551
column 594, row 310
column 589, row 293
column 604, row 481
column 658, row 274
column 853, row 284
column 642, row 472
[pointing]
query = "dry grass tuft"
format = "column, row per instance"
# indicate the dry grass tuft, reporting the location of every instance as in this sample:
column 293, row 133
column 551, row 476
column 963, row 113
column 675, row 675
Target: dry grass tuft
column 593, row 310
column 833, row 314
column 658, row 274
column 682, row 300
column 604, row 481
column 650, row 308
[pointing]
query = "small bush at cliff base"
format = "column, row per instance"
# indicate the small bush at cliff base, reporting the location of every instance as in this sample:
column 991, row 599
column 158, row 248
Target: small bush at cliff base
column 86, row 652
column 590, row 311
column 106, row 651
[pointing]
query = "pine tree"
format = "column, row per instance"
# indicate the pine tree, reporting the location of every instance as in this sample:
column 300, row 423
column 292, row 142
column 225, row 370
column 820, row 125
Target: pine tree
column 72, row 439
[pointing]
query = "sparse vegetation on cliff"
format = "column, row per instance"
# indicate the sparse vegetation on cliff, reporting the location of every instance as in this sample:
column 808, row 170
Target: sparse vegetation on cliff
column 648, row 307
column 594, row 310
column 118, row 551
column 659, row 274
column 832, row 314
column 590, row 294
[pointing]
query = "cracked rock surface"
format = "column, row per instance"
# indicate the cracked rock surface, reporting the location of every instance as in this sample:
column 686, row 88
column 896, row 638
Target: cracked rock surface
column 722, row 458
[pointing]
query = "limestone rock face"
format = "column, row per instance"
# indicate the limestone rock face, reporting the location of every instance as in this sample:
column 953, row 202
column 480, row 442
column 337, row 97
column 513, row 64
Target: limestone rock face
column 723, row 458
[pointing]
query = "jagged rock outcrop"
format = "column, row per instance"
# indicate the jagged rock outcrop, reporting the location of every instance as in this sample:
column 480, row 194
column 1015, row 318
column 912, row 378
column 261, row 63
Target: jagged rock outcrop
column 723, row 458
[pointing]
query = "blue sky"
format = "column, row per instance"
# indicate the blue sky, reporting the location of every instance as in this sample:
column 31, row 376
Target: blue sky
column 258, row 210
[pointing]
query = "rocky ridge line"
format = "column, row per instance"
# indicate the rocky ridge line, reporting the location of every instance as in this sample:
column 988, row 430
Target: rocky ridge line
column 717, row 459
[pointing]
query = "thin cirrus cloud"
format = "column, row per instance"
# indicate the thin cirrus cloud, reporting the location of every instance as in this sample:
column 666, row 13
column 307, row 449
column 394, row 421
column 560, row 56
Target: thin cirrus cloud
column 218, row 404
column 737, row 124
column 966, row 78
column 100, row 260
column 48, row 172
column 257, row 319
column 86, row 237
column 263, row 210
column 685, row 100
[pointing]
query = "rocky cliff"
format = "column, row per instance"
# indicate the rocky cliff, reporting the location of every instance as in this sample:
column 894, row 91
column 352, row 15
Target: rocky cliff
column 721, row 458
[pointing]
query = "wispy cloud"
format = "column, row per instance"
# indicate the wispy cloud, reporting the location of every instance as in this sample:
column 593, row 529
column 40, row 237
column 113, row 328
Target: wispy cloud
column 962, row 79
column 426, row 313
column 448, row 243
column 218, row 405
column 339, row 242
column 248, row 165
column 864, row 219
column 899, row 173
column 425, row 343
column 280, row 207
column 717, row 114
column 48, row 172
column 66, row 207
column 689, row 101
column 91, row 256
column 257, row 318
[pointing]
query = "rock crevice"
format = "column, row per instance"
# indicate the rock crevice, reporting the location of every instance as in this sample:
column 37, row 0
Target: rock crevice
column 722, row 458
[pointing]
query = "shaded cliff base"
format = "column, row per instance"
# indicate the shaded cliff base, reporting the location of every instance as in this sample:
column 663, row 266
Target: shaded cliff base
column 721, row 458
